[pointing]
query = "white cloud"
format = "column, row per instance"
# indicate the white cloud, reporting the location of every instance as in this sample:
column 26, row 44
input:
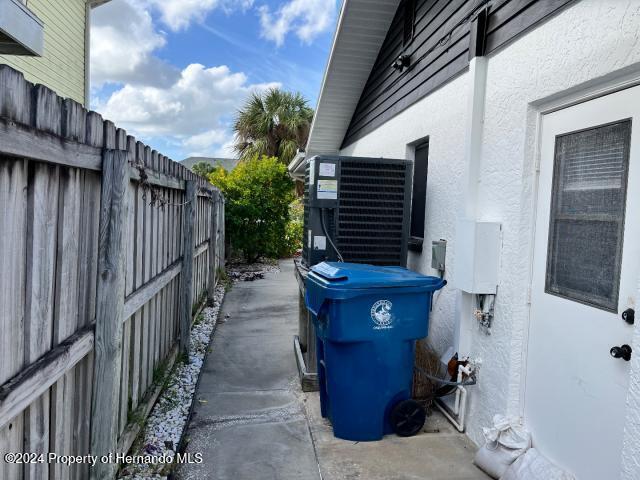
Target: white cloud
column 206, row 140
column 179, row 14
column 189, row 111
column 124, row 37
column 218, row 150
column 195, row 111
column 123, row 40
column 226, row 149
column 306, row 18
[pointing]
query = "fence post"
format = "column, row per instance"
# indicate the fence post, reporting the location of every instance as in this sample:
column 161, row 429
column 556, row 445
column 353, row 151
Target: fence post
column 186, row 290
column 109, row 310
column 213, row 245
column 223, row 234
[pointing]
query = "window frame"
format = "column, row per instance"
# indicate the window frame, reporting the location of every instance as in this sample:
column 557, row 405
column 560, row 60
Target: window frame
column 576, row 296
column 416, row 241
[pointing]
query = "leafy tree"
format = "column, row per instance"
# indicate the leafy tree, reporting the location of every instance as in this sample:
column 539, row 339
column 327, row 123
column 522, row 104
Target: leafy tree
column 295, row 227
column 258, row 193
column 274, row 123
column 204, row 169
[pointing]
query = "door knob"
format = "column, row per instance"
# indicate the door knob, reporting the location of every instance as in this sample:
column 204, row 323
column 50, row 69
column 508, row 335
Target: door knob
column 629, row 316
column 623, row 352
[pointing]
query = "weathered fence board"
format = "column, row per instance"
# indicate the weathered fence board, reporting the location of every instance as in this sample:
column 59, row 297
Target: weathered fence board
column 30, row 383
column 186, row 290
column 90, row 223
column 213, row 242
column 11, row 440
column 124, row 375
column 134, row 375
column 109, row 309
column 17, row 141
column 52, row 376
column 13, row 214
column 149, row 290
column 84, row 383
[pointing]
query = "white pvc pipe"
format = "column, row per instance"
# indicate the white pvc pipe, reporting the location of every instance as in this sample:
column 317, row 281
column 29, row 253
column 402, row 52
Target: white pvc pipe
column 456, row 404
column 461, row 370
column 460, row 405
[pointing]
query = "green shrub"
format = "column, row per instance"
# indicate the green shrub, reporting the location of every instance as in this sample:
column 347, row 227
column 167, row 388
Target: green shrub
column 295, row 228
column 258, row 193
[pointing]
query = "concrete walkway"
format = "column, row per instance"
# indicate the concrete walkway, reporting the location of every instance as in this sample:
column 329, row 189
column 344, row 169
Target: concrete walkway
column 251, row 421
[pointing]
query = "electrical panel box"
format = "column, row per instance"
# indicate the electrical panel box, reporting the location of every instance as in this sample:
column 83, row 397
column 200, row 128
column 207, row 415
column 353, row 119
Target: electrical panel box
column 359, row 205
column 477, row 252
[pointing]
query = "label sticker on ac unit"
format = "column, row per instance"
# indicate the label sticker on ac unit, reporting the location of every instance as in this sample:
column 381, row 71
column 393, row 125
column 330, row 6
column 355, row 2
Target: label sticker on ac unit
column 327, row 189
column 327, row 170
column 320, row 242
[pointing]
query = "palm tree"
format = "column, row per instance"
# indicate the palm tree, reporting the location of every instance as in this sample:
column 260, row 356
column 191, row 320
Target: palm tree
column 273, row 123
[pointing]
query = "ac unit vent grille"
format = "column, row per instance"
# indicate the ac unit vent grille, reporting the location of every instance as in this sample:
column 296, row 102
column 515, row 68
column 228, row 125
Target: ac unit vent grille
column 371, row 211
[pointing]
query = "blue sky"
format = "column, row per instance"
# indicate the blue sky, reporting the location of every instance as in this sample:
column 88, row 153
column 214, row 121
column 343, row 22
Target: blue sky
column 174, row 72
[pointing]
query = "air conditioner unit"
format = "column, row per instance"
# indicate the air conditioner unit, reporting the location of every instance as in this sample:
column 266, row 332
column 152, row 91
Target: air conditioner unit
column 359, row 207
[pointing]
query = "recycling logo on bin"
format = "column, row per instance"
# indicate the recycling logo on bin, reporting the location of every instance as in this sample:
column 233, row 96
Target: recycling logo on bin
column 381, row 314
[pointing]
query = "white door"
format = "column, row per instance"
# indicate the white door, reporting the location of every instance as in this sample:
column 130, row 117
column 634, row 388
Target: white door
column 585, row 275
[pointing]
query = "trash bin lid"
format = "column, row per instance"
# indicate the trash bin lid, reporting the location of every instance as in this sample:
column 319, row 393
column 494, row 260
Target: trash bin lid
column 357, row 275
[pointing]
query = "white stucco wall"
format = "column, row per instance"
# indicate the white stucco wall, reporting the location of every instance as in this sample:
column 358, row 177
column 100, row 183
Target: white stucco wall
column 441, row 116
column 583, row 46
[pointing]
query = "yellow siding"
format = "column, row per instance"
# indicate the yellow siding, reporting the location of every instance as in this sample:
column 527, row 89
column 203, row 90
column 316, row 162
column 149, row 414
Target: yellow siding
column 62, row 67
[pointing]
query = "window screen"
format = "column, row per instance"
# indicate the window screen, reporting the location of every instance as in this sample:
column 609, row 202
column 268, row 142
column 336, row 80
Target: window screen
column 587, row 215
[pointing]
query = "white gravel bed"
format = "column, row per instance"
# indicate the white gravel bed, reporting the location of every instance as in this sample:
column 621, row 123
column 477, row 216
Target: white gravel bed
column 166, row 423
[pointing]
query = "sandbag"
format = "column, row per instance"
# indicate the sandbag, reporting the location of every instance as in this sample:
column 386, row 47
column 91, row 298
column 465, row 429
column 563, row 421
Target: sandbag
column 506, row 441
column 534, row 466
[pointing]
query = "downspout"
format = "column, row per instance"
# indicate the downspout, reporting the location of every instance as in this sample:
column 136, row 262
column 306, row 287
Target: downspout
column 473, row 166
column 468, row 209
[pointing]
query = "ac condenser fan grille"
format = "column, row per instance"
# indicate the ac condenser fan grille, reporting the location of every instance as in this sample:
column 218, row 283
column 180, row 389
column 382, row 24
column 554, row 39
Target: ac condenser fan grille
column 371, row 208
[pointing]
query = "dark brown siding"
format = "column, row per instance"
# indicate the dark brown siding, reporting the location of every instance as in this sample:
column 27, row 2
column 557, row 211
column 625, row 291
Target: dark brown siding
column 439, row 51
column 509, row 18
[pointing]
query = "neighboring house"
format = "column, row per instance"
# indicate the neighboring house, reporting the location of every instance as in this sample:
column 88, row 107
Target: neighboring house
column 227, row 163
column 523, row 119
column 48, row 41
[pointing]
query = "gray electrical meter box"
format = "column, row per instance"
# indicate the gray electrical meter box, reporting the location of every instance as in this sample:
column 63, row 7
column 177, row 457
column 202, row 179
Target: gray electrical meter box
column 438, row 254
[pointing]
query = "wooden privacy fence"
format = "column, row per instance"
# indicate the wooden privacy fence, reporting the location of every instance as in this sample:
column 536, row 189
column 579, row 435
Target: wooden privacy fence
column 106, row 250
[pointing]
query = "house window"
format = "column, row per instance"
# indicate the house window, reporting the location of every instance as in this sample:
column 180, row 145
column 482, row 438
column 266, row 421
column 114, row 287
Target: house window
column 409, row 16
column 419, row 198
column 587, row 215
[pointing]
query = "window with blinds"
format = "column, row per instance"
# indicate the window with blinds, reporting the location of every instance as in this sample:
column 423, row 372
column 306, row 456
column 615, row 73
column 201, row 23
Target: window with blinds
column 587, row 215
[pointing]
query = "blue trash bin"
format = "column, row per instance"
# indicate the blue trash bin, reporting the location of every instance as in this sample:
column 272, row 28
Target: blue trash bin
column 367, row 319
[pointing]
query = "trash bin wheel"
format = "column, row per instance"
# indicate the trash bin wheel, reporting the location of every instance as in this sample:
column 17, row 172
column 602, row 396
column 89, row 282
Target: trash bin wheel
column 407, row 418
